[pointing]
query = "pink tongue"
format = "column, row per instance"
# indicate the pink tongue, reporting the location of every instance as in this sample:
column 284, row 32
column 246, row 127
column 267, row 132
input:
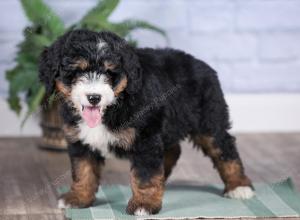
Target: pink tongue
column 92, row 116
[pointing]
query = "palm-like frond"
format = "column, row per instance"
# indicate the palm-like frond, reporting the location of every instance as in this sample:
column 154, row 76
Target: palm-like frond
column 100, row 13
column 41, row 15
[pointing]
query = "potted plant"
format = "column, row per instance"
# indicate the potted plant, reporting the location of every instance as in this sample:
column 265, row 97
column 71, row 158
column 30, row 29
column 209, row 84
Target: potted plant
column 45, row 27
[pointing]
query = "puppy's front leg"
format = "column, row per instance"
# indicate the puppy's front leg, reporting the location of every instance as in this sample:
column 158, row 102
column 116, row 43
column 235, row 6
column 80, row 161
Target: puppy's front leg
column 86, row 167
column 147, row 182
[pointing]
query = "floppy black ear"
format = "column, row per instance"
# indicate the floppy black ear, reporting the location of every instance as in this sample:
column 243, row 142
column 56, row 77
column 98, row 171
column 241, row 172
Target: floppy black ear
column 50, row 61
column 133, row 69
column 48, row 69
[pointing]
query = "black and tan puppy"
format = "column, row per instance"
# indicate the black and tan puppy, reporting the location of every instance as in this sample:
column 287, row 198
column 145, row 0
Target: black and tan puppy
column 139, row 103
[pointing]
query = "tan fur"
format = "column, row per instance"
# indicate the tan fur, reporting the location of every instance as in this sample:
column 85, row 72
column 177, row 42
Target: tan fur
column 121, row 86
column 80, row 64
column 233, row 175
column 147, row 195
column 206, row 143
column 86, row 178
column 61, row 88
column 231, row 172
column 126, row 137
column 108, row 65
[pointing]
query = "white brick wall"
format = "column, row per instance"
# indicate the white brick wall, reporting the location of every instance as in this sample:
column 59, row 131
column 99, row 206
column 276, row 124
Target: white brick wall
column 268, row 15
column 279, row 46
column 211, row 16
column 254, row 45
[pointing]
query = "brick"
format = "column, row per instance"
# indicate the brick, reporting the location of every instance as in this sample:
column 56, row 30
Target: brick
column 8, row 46
column 266, row 77
column 8, row 51
column 179, row 39
column 12, row 17
column 211, row 16
column 262, row 15
column 224, row 46
column 165, row 14
column 281, row 46
column 225, row 74
column 148, row 39
column 71, row 11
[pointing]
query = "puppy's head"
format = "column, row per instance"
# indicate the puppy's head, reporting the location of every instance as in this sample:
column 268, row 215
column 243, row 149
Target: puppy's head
column 91, row 70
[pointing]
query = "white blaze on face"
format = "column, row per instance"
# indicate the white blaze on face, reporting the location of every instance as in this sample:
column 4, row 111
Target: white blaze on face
column 101, row 45
column 92, row 83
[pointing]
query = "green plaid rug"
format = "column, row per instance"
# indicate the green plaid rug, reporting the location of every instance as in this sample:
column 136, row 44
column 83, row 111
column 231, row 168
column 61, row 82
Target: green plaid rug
column 180, row 202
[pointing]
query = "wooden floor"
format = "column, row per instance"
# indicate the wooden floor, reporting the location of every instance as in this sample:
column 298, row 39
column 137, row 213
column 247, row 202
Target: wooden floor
column 29, row 176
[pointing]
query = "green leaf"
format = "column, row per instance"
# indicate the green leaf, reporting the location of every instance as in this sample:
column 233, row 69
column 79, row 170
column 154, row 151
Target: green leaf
column 41, row 15
column 31, row 48
column 10, row 74
column 34, row 103
column 23, row 79
column 14, row 103
column 100, row 13
column 40, row 40
column 13, row 99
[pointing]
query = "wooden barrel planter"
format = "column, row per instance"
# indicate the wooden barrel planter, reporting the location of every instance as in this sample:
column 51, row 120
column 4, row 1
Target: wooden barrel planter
column 53, row 137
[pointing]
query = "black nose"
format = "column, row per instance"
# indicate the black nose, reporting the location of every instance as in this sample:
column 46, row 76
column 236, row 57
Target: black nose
column 94, row 99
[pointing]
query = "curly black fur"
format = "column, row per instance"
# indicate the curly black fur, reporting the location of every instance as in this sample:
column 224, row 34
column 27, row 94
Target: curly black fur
column 170, row 95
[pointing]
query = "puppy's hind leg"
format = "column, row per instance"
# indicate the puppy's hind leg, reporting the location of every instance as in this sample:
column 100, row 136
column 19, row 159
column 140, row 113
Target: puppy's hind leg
column 217, row 143
column 171, row 155
column 226, row 160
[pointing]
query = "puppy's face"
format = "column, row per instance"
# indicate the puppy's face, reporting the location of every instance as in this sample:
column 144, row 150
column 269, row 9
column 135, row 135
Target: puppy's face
column 93, row 89
column 94, row 71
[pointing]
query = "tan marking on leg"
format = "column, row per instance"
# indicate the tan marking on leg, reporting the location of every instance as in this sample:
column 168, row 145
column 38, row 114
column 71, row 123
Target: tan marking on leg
column 206, row 143
column 146, row 195
column 233, row 175
column 121, row 86
column 170, row 158
column 86, row 177
column 231, row 172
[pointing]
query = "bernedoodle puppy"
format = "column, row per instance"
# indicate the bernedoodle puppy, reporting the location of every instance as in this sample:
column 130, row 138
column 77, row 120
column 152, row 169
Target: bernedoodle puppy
column 137, row 103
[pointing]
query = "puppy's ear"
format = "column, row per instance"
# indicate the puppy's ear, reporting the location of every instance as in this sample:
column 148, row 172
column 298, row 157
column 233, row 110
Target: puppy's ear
column 50, row 62
column 133, row 69
column 48, row 69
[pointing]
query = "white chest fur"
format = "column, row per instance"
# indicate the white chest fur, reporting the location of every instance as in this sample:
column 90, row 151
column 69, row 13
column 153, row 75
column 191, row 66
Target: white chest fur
column 98, row 138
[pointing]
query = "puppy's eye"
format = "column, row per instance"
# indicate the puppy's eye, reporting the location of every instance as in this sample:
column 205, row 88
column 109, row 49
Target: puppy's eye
column 112, row 73
column 109, row 65
column 113, row 76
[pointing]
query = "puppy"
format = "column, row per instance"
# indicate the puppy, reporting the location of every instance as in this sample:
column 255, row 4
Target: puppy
column 138, row 103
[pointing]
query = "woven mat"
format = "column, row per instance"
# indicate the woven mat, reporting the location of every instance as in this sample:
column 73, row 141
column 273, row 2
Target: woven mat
column 181, row 202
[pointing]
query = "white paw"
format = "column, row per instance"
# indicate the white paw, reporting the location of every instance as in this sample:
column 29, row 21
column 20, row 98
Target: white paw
column 240, row 192
column 141, row 212
column 62, row 204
